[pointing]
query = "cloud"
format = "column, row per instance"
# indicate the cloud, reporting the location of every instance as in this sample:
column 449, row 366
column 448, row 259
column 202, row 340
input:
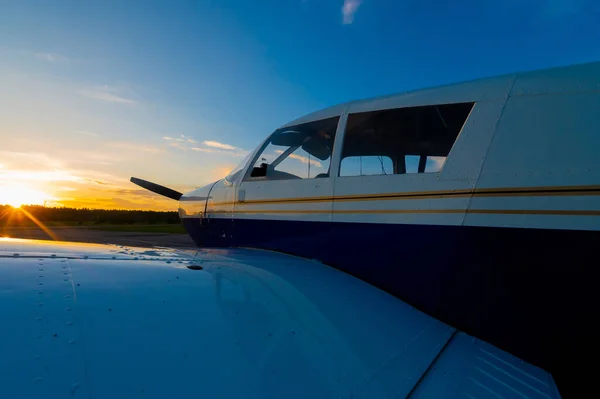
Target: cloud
column 51, row 57
column 106, row 94
column 181, row 139
column 208, row 146
column 29, row 161
column 221, row 148
column 349, row 9
column 206, row 150
column 96, row 181
column 130, row 192
column 37, row 176
column 216, row 144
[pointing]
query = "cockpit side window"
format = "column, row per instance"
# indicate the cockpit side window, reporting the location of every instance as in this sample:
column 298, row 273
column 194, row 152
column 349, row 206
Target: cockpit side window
column 403, row 140
column 297, row 152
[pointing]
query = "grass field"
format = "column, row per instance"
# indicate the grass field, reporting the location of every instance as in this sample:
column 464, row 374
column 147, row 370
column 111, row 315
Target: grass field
column 38, row 217
column 131, row 228
column 141, row 228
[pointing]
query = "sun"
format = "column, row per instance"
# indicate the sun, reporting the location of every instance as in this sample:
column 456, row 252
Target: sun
column 19, row 196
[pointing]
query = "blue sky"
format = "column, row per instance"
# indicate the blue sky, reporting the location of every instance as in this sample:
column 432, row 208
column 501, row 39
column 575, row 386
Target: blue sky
column 97, row 91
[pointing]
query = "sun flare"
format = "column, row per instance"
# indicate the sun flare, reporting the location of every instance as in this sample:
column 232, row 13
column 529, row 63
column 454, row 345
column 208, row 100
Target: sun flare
column 18, row 196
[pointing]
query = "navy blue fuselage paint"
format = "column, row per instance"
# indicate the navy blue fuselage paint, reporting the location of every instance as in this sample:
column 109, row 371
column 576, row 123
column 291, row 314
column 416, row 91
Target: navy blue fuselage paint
column 531, row 292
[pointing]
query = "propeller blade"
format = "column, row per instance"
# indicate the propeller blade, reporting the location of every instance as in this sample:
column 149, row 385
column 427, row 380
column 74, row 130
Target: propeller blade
column 157, row 188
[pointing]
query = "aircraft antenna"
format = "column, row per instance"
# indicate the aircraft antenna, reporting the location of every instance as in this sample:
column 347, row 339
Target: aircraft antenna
column 381, row 163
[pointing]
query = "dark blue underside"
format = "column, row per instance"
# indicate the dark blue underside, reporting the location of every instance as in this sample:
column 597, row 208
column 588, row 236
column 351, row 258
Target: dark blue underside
column 531, row 292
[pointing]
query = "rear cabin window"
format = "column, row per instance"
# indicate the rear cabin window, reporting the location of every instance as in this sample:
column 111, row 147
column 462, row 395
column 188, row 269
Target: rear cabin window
column 297, row 152
column 399, row 141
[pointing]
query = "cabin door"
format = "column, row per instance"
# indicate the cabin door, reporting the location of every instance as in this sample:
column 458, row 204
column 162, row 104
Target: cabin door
column 291, row 216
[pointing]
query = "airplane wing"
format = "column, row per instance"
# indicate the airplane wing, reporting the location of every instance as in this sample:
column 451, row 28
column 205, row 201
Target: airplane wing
column 100, row 321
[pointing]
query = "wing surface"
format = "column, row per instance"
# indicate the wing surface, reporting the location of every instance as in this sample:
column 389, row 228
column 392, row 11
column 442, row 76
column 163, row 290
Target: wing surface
column 100, row 321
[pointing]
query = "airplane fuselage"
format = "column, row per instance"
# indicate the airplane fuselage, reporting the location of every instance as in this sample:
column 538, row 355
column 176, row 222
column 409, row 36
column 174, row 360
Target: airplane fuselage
column 478, row 203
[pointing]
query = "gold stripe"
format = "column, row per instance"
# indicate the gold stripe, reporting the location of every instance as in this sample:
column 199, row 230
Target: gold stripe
column 424, row 211
column 534, row 212
column 396, row 211
column 545, row 191
column 540, row 188
column 284, row 211
column 366, row 211
column 538, row 194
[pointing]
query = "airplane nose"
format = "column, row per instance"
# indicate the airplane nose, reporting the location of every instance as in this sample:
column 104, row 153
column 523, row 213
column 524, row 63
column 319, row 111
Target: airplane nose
column 193, row 203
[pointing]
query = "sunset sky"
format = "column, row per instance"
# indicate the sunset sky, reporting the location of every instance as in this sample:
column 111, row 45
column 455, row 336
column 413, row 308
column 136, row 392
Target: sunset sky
column 93, row 92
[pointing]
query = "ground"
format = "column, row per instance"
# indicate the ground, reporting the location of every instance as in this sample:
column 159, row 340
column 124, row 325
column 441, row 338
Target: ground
column 121, row 235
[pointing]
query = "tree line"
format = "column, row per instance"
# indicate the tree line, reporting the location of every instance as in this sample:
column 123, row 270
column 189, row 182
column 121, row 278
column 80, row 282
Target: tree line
column 91, row 216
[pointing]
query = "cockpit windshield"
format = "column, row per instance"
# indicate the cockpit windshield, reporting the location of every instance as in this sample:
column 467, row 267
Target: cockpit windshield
column 297, row 152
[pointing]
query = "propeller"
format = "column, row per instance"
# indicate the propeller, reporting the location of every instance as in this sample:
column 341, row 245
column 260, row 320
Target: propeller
column 157, row 188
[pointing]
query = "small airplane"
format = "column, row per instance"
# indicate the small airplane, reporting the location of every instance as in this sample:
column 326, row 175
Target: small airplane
column 439, row 243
